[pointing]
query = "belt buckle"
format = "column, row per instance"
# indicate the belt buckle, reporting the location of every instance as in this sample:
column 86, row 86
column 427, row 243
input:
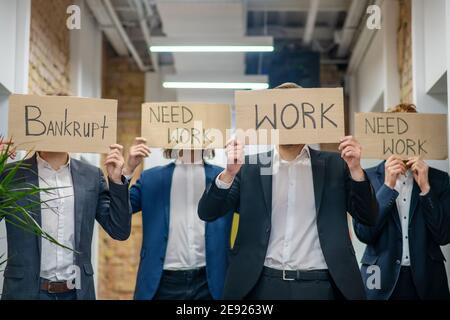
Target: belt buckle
column 50, row 285
column 285, row 278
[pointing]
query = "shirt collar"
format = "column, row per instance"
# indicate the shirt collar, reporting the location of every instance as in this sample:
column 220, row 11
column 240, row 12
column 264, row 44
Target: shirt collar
column 182, row 160
column 42, row 163
column 303, row 155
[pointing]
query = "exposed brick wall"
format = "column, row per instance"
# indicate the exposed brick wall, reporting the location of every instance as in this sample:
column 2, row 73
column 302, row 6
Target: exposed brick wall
column 49, row 71
column 118, row 261
column 405, row 51
column 331, row 76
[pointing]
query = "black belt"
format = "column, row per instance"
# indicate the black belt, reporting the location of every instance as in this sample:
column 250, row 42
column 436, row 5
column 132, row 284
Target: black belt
column 184, row 273
column 292, row 275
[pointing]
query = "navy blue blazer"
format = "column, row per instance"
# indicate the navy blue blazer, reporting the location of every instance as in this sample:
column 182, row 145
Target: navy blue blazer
column 429, row 228
column 151, row 195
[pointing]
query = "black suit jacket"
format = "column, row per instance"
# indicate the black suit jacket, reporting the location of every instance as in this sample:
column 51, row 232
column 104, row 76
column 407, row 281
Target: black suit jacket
column 93, row 200
column 429, row 228
column 251, row 195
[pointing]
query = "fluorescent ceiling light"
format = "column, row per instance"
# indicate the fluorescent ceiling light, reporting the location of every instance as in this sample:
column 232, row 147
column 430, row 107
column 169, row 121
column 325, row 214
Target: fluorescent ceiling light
column 237, row 48
column 215, row 85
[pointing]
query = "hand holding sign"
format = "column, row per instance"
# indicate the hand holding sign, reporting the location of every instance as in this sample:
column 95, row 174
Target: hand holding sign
column 4, row 146
column 114, row 163
column 393, row 168
column 420, row 172
column 138, row 151
column 235, row 159
column 351, row 153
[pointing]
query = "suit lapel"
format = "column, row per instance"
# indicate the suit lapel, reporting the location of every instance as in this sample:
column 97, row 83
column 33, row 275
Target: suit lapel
column 166, row 179
column 78, row 191
column 31, row 176
column 266, row 182
column 318, row 171
column 414, row 200
column 380, row 171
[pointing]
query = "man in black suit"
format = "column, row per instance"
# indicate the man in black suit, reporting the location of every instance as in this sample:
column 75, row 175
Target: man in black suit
column 293, row 239
column 413, row 222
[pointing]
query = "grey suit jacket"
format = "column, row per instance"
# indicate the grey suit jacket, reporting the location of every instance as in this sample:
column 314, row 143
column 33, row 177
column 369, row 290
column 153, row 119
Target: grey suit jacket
column 93, row 201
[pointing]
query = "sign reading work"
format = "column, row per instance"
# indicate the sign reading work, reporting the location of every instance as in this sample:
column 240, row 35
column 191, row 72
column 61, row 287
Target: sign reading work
column 294, row 115
column 62, row 124
column 403, row 134
column 185, row 125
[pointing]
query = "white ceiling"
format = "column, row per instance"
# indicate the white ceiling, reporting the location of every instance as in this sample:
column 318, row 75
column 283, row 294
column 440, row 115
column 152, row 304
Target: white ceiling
column 327, row 26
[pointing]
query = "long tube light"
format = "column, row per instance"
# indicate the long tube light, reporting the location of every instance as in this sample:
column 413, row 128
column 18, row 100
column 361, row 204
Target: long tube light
column 237, row 48
column 215, row 85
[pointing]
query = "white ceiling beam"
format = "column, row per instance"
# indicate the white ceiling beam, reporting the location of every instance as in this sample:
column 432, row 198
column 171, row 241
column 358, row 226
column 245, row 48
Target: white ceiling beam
column 361, row 45
column 296, row 5
column 356, row 10
column 280, row 32
column 311, row 21
column 130, row 46
column 106, row 24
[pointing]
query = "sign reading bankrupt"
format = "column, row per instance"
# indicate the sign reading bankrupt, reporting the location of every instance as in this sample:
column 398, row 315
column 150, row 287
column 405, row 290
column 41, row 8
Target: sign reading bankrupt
column 403, row 134
column 295, row 115
column 185, row 125
column 69, row 124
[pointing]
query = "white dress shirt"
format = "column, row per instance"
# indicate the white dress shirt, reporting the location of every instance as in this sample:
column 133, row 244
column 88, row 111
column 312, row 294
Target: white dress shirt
column 294, row 240
column 57, row 219
column 404, row 186
column 186, row 243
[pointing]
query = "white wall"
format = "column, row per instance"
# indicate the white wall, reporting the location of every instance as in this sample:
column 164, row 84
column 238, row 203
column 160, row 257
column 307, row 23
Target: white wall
column 434, row 40
column 429, row 56
column 14, row 41
column 372, row 78
column 447, row 46
column 86, row 81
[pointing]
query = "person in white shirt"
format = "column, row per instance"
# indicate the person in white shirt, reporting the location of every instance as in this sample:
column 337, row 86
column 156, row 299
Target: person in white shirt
column 413, row 222
column 293, row 239
column 74, row 195
column 182, row 257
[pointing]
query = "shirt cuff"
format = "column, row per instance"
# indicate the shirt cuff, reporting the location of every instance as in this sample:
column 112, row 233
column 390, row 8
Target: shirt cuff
column 221, row 184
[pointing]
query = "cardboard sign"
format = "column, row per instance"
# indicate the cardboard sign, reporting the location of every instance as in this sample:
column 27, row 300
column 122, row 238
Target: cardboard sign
column 296, row 115
column 404, row 134
column 65, row 124
column 185, row 125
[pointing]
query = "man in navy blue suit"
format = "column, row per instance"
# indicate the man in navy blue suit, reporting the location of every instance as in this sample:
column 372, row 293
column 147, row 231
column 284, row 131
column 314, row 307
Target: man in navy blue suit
column 182, row 257
column 413, row 222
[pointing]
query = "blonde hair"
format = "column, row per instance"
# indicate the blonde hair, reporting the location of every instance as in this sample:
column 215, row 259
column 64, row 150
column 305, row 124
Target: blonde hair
column 403, row 107
column 171, row 154
column 288, row 85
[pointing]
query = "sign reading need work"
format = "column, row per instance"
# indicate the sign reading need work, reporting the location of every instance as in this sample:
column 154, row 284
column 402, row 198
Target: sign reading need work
column 185, row 125
column 296, row 115
column 57, row 123
column 403, row 134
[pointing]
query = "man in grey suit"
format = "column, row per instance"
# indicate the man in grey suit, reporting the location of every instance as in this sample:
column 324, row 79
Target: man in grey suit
column 39, row 269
